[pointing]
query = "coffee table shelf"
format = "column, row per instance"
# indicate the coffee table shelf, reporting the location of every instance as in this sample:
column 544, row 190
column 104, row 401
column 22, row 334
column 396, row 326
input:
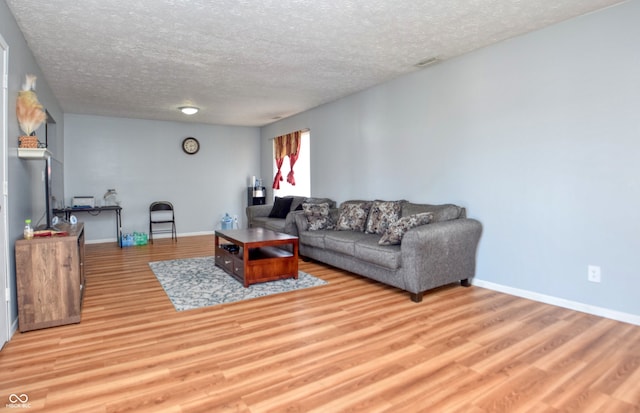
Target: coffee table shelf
column 258, row 259
column 268, row 252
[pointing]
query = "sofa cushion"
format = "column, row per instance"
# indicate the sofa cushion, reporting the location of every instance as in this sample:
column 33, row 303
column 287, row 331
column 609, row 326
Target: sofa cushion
column 388, row 256
column 342, row 241
column 382, row 213
column 445, row 212
column 281, row 207
column 353, row 215
column 393, row 235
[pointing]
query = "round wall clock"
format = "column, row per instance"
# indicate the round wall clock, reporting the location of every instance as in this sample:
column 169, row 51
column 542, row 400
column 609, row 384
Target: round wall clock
column 190, row 145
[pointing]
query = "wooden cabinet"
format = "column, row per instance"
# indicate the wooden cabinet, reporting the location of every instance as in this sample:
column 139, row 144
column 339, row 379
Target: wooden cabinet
column 50, row 279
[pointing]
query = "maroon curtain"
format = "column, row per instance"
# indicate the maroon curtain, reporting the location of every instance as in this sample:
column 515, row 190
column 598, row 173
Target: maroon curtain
column 293, row 157
column 286, row 145
column 278, row 178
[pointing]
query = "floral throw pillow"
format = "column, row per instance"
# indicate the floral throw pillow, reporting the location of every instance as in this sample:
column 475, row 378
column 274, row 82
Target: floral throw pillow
column 317, row 216
column 318, row 223
column 353, row 216
column 394, row 233
column 315, row 210
column 381, row 215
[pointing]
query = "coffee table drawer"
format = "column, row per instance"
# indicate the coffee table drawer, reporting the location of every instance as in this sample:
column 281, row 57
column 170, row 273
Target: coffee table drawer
column 238, row 266
column 224, row 259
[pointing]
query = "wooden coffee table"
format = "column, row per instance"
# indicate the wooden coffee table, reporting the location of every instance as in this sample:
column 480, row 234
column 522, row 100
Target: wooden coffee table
column 258, row 258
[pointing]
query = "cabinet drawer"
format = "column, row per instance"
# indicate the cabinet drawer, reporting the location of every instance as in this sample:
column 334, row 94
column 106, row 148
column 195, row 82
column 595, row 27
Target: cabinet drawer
column 238, row 266
column 219, row 254
column 224, row 260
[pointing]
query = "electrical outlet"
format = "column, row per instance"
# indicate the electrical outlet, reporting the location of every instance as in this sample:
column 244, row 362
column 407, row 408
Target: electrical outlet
column 593, row 273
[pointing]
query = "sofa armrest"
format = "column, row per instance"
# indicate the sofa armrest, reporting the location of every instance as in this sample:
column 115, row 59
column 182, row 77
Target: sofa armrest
column 300, row 221
column 254, row 211
column 290, row 222
column 440, row 253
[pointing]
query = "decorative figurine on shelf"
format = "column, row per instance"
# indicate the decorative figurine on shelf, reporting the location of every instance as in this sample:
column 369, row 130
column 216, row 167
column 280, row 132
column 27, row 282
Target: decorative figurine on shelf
column 30, row 113
column 111, row 198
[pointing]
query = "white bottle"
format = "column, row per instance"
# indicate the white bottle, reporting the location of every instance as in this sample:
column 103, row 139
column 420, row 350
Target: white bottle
column 28, row 229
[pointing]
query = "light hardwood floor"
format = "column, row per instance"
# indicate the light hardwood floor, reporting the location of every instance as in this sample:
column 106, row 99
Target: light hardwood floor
column 351, row 345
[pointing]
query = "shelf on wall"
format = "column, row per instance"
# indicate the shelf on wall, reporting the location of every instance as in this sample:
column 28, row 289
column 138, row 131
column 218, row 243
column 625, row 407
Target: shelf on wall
column 33, row 153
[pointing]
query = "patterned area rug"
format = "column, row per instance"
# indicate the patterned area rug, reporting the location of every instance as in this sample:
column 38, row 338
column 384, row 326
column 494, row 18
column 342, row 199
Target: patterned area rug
column 196, row 282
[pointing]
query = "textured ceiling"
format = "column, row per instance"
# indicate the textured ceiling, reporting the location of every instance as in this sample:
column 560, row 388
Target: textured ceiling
column 248, row 62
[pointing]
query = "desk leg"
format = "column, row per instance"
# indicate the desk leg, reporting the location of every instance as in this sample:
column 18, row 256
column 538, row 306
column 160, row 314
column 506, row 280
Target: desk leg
column 119, row 228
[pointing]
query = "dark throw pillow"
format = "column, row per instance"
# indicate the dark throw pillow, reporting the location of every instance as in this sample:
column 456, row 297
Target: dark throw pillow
column 281, row 207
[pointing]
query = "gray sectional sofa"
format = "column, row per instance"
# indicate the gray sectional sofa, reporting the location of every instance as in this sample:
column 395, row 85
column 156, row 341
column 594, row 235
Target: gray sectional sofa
column 430, row 255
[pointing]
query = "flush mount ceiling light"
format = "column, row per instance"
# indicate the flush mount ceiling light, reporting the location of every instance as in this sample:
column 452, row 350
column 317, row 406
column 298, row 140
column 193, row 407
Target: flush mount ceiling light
column 189, row 110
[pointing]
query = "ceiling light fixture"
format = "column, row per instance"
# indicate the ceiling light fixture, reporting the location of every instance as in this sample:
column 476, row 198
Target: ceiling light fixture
column 189, row 110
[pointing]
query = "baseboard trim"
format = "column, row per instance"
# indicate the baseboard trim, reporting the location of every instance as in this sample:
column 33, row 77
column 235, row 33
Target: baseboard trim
column 560, row 302
column 12, row 330
column 157, row 236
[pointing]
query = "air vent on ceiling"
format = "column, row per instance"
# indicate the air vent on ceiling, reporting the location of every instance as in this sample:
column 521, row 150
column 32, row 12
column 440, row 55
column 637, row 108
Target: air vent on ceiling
column 427, row 62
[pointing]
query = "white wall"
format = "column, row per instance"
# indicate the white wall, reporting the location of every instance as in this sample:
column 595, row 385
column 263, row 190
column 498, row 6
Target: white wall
column 25, row 188
column 144, row 162
column 538, row 136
